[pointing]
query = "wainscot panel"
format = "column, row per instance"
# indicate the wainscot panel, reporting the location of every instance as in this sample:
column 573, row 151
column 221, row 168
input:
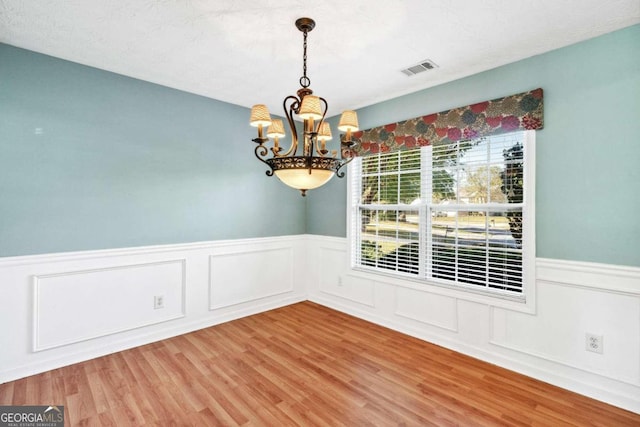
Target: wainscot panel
column 240, row 277
column 343, row 285
column 428, row 308
column 566, row 314
column 75, row 306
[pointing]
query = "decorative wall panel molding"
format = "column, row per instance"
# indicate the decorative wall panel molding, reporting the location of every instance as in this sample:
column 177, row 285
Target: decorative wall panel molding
column 337, row 283
column 428, row 308
column 592, row 301
column 240, row 277
column 75, row 306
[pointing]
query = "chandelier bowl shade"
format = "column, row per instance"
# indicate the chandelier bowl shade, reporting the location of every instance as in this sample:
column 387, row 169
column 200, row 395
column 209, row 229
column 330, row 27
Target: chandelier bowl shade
column 300, row 175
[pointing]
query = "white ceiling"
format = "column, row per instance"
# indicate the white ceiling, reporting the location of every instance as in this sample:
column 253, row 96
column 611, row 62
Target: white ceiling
column 249, row 51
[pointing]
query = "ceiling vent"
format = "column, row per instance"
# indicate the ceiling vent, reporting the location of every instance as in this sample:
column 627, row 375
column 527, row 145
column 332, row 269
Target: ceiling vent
column 425, row 65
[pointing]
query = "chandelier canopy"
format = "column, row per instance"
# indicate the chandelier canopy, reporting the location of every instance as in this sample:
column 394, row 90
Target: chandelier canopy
column 307, row 163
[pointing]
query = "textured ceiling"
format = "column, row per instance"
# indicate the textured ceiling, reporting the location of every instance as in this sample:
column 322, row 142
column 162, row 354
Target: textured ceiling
column 248, row 52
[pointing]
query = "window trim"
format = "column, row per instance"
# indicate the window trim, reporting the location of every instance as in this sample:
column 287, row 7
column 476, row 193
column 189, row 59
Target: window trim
column 523, row 302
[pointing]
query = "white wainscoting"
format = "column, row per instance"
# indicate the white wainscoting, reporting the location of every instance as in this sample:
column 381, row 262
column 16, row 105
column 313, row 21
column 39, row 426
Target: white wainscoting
column 59, row 309
column 547, row 343
column 44, row 297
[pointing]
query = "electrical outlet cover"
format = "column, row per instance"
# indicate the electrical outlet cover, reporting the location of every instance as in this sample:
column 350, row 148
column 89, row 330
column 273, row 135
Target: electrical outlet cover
column 594, row 343
column 158, row 301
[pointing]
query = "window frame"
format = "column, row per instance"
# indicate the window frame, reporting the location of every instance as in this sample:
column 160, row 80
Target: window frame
column 523, row 301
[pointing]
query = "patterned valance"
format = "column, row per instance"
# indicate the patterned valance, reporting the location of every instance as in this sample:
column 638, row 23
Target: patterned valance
column 521, row 111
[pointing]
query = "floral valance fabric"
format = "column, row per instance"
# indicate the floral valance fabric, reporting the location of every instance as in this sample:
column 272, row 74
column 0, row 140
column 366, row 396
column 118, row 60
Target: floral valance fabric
column 521, row 111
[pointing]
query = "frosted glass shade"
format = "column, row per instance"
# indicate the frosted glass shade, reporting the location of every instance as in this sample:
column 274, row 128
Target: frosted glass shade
column 310, row 108
column 348, row 121
column 276, row 129
column 260, row 116
column 325, row 132
column 301, row 179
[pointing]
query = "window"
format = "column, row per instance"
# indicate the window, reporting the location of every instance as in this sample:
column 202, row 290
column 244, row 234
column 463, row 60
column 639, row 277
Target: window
column 456, row 215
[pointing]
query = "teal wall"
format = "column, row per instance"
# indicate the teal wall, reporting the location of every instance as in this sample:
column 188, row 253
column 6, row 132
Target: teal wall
column 120, row 162
column 588, row 154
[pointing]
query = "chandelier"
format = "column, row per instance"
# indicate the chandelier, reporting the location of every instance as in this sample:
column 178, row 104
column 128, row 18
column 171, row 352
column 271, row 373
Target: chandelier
column 307, row 163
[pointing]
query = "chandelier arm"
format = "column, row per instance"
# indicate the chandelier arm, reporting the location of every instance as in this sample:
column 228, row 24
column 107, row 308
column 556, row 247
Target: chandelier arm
column 295, row 105
column 339, row 173
column 261, row 152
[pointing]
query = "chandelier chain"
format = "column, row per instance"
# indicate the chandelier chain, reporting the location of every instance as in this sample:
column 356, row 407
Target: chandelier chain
column 304, row 80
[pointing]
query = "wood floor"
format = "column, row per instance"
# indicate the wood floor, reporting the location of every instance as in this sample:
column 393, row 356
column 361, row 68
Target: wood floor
column 302, row 365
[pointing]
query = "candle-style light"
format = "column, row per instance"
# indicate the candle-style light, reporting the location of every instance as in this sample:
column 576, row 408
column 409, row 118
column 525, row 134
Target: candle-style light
column 276, row 131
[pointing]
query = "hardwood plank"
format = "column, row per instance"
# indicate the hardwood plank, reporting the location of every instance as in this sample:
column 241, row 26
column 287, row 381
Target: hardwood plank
column 303, row 365
column 100, row 400
column 7, row 393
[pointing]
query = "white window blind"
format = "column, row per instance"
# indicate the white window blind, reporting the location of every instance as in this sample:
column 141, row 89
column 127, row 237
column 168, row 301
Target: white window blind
column 452, row 214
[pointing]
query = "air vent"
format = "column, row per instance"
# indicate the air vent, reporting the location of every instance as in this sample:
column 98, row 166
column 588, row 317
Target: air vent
column 425, row 65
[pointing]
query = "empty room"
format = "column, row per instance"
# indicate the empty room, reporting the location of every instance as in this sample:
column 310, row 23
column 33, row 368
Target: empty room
column 399, row 212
